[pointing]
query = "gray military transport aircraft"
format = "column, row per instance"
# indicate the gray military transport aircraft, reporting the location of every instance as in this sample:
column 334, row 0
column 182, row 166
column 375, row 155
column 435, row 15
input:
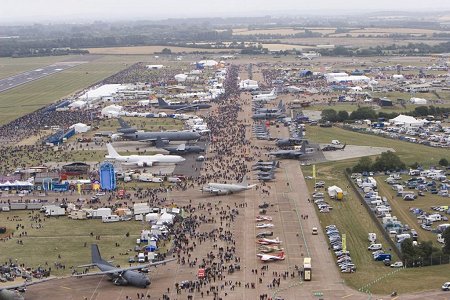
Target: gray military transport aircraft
column 120, row 276
column 130, row 133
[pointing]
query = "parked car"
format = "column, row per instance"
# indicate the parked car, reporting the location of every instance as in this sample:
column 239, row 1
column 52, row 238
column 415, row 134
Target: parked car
column 446, row 286
column 397, row 264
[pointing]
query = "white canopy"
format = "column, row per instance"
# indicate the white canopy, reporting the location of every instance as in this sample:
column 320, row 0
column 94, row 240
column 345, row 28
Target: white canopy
column 406, row 120
column 81, row 128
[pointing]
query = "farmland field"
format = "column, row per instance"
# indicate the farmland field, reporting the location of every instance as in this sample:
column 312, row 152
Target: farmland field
column 147, row 50
column 34, row 95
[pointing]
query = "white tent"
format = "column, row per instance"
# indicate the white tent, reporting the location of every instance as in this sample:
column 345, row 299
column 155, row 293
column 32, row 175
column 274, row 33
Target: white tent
column 248, row 84
column 155, row 67
column 333, row 191
column 81, row 128
column 165, row 218
column 406, row 121
column 144, row 102
column 112, row 111
column 105, row 90
column 418, row 101
column 180, row 77
column 208, row 63
column 79, row 104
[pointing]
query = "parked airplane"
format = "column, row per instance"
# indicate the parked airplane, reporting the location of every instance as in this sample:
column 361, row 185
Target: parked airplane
column 268, row 257
column 268, row 116
column 265, row 97
column 266, row 177
column 225, row 188
column 129, row 133
column 274, row 163
column 12, row 292
column 263, row 168
column 179, row 107
column 269, row 248
column 142, row 160
column 181, row 149
column 265, row 225
column 281, row 109
column 290, row 154
column 263, row 218
column 120, row 276
column 290, row 142
column 265, row 241
column 333, row 147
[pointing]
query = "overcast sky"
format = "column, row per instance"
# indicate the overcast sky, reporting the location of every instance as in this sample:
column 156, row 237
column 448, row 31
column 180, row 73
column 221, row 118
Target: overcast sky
column 69, row 10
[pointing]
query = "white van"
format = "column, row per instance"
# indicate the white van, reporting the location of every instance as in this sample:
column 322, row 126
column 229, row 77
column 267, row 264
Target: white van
column 375, row 247
column 110, row 218
column 403, row 236
column 141, row 257
column 372, row 237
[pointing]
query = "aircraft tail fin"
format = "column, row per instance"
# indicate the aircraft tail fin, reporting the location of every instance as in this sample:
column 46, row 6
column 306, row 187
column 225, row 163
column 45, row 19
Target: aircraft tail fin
column 244, row 181
column 123, row 123
column 95, row 253
column 159, row 142
column 162, row 103
column 112, row 153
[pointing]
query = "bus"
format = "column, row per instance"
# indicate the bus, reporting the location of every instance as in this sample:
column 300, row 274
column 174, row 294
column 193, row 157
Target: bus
column 307, row 269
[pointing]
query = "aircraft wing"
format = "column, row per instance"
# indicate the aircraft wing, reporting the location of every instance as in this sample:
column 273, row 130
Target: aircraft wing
column 187, row 107
column 148, row 140
column 121, row 270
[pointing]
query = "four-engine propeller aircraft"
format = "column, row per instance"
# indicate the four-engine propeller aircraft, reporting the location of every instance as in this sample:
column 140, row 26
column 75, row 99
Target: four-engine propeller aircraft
column 120, row 276
column 142, row 160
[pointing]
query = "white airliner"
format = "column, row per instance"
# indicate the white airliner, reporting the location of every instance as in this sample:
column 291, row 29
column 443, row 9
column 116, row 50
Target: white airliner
column 265, row 97
column 225, row 189
column 142, row 160
column 268, row 257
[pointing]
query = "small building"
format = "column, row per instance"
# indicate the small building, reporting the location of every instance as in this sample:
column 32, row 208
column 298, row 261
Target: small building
column 75, row 169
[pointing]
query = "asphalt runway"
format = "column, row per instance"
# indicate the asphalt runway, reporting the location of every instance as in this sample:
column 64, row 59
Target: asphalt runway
column 28, row 76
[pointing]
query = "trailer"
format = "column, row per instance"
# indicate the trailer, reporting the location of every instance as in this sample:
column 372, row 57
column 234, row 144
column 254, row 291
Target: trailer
column 101, row 212
column 110, row 218
column 307, row 275
column 54, row 211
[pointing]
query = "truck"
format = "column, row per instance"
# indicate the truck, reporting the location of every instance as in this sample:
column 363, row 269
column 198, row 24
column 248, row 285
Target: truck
column 101, row 212
column 307, row 276
column 53, row 210
column 383, row 256
column 141, row 208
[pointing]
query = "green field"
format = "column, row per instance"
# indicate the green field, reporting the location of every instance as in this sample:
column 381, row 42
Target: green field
column 67, row 237
column 13, row 66
column 368, row 272
column 34, row 95
column 408, row 152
